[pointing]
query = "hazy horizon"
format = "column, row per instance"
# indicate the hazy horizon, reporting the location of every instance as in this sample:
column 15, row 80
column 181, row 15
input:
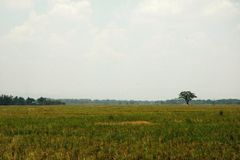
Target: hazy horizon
column 120, row 49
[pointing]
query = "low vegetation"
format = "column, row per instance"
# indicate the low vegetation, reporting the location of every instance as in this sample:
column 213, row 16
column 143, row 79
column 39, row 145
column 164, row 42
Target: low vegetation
column 120, row 132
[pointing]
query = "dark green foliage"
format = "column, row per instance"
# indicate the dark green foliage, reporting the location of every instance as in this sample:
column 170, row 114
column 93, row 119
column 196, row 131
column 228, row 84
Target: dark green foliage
column 221, row 113
column 19, row 101
column 30, row 101
column 10, row 100
column 47, row 101
column 110, row 117
column 187, row 96
column 42, row 101
column 6, row 100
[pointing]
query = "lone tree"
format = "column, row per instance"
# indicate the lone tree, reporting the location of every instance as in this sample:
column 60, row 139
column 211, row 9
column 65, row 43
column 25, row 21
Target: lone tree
column 187, row 96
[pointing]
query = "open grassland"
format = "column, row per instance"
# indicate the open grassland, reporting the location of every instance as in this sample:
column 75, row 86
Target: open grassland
column 120, row 132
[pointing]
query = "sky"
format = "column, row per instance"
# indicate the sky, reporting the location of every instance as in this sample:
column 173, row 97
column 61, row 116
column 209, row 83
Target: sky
column 120, row 49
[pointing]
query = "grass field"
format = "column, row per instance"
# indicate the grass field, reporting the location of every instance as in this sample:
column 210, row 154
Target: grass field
column 120, row 132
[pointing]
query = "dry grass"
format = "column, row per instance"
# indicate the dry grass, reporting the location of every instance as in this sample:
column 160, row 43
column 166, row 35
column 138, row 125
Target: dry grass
column 125, row 123
column 120, row 132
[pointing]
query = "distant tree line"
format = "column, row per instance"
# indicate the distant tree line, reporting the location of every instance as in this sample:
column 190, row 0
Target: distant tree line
column 136, row 102
column 10, row 100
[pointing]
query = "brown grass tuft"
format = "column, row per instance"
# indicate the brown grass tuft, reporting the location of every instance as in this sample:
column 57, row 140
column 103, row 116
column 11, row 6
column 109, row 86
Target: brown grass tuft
column 125, row 123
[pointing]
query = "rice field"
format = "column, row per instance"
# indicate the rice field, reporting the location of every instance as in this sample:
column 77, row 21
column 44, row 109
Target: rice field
column 119, row 132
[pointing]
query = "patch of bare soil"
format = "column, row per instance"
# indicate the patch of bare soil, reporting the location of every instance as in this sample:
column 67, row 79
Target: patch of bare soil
column 125, row 123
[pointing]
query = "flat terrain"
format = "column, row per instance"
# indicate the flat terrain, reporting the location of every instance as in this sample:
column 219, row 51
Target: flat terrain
column 120, row 132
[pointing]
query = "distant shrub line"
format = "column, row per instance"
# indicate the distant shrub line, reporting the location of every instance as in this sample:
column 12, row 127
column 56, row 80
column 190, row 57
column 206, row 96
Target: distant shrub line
column 145, row 102
column 10, row 100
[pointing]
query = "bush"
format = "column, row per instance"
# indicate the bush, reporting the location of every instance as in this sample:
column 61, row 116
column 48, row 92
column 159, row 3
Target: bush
column 221, row 113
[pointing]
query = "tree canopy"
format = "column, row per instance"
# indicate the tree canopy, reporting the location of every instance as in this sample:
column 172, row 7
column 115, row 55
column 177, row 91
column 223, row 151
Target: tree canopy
column 187, row 96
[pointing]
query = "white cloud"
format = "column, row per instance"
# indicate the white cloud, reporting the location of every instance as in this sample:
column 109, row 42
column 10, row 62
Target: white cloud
column 108, row 44
column 19, row 4
column 65, row 33
column 67, row 29
column 155, row 11
column 63, row 17
column 159, row 7
column 73, row 10
column 222, row 8
column 238, row 28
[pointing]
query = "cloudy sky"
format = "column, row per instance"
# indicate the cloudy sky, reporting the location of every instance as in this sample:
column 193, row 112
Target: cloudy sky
column 120, row 49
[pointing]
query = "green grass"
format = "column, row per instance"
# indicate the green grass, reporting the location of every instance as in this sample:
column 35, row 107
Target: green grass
column 94, row 132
